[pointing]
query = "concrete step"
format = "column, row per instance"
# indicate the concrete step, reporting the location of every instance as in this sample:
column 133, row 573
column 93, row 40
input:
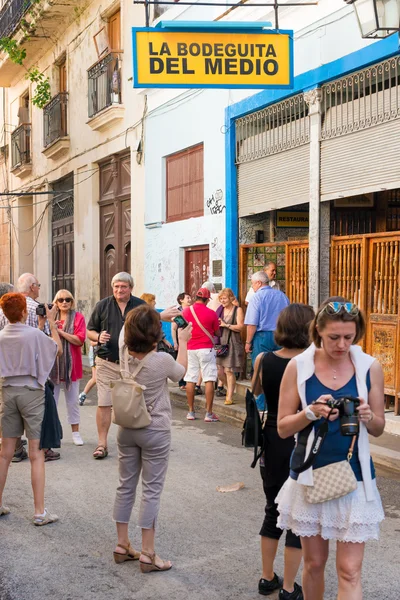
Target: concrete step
column 242, row 385
column 234, row 413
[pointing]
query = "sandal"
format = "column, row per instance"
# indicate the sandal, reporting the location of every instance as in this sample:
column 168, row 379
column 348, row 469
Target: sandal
column 228, row 402
column 4, row 510
column 149, row 567
column 130, row 554
column 100, row 452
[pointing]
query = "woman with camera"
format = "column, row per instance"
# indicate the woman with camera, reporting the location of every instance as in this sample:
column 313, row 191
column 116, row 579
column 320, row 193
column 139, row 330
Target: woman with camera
column 26, row 357
column 67, row 370
column 146, row 450
column 347, row 508
column 291, row 334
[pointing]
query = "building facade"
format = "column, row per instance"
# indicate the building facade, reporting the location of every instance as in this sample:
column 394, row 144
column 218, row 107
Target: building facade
column 77, row 161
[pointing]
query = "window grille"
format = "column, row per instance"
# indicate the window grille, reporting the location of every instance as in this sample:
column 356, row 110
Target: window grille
column 63, row 207
column 361, row 100
column 273, row 129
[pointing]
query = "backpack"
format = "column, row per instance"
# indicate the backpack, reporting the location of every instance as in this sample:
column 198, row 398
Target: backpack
column 252, row 432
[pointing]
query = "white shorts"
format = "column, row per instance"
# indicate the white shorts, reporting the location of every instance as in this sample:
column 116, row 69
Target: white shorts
column 201, row 362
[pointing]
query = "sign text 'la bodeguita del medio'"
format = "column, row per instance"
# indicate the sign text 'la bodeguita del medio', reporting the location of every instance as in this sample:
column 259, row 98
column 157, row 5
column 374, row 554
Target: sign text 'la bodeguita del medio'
column 203, row 59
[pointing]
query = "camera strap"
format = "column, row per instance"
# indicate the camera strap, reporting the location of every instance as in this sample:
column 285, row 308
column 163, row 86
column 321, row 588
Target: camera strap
column 319, row 439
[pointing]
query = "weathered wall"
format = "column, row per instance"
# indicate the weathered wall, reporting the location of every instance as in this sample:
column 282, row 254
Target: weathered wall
column 87, row 148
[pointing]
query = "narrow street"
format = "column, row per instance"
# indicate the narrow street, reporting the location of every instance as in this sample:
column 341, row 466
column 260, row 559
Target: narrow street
column 211, row 537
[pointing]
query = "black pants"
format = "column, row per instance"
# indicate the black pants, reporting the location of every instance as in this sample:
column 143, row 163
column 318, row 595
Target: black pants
column 269, row 528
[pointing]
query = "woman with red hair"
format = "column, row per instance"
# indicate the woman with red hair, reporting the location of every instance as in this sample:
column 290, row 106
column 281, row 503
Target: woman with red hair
column 26, row 358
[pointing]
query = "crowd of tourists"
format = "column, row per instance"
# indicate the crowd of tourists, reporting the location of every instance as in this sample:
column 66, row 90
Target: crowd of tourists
column 310, row 378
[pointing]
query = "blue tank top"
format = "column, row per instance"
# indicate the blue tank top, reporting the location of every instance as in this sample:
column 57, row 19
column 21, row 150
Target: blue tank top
column 336, row 446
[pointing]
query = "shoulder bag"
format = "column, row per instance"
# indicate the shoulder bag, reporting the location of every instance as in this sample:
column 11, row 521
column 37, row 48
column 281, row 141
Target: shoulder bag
column 252, row 432
column 332, row 481
column 128, row 403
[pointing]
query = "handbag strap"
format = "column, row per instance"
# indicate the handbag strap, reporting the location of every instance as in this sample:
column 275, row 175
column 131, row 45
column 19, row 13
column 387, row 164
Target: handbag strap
column 138, row 367
column 233, row 323
column 259, row 368
column 201, row 326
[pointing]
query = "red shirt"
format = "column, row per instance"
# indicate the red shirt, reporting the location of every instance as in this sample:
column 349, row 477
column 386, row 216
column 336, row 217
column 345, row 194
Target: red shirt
column 208, row 319
column 76, row 351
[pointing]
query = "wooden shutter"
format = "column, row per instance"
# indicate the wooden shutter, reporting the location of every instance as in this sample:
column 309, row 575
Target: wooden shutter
column 185, row 184
column 63, row 76
column 114, row 31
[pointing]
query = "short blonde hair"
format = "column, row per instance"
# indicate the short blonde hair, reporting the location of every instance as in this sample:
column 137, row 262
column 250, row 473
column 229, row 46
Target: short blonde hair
column 61, row 293
column 148, row 298
column 227, row 292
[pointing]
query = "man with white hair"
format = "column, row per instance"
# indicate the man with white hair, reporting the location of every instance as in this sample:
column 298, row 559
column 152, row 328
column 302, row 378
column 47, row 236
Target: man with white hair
column 270, row 271
column 262, row 314
column 104, row 327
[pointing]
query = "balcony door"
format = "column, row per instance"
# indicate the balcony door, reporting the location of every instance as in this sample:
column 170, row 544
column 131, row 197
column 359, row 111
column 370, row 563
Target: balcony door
column 63, row 272
column 115, row 219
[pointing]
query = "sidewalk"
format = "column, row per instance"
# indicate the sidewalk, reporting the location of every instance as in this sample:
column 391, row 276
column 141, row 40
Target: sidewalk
column 385, row 450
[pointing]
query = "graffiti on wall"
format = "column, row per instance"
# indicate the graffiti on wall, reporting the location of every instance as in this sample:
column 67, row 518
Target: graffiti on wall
column 214, row 203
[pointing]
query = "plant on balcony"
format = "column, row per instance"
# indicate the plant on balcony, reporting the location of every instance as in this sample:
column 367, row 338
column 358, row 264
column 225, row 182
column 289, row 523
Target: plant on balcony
column 17, row 55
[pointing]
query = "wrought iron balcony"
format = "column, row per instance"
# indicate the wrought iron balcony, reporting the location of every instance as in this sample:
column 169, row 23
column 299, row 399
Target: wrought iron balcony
column 55, row 124
column 11, row 14
column 21, row 146
column 104, row 83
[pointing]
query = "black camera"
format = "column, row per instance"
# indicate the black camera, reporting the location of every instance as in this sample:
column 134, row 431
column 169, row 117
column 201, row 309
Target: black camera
column 41, row 309
column 348, row 414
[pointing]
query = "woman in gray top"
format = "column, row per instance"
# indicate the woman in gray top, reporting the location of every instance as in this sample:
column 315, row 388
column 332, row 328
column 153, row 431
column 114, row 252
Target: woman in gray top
column 146, row 450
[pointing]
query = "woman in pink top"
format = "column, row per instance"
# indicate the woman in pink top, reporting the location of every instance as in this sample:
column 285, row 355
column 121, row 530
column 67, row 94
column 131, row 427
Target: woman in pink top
column 67, row 370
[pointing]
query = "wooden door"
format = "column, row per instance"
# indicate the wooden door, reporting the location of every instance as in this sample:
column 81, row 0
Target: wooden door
column 63, row 76
column 114, row 31
column 382, row 339
column 63, row 270
column 197, row 268
column 115, row 220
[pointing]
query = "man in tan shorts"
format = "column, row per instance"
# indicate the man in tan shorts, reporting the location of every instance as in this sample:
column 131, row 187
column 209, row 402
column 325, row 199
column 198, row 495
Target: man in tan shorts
column 104, row 327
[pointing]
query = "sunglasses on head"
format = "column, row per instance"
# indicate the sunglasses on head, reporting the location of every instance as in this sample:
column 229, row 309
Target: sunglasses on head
column 334, row 308
column 64, row 299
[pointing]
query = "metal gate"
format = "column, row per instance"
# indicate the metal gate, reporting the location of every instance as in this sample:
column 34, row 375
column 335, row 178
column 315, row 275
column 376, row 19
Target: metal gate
column 365, row 269
column 291, row 259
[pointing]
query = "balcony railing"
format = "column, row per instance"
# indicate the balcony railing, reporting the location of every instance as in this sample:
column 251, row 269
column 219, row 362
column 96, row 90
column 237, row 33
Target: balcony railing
column 21, row 145
column 104, row 83
column 11, row 14
column 55, row 124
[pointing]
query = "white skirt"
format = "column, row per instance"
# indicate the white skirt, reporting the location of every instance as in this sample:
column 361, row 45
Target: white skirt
column 347, row 519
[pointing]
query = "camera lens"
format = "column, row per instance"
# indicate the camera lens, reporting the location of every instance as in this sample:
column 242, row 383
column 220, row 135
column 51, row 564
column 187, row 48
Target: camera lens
column 349, row 425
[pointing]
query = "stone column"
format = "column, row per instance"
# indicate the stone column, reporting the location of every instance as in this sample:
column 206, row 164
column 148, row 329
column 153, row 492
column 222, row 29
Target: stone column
column 313, row 99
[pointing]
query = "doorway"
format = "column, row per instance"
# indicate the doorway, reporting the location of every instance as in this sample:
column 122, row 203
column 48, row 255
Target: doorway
column 115, row 219
column 197, row 268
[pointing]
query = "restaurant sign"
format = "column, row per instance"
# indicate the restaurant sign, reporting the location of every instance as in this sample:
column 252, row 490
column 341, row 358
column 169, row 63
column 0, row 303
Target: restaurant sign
column 189, row 58
column 292, row 219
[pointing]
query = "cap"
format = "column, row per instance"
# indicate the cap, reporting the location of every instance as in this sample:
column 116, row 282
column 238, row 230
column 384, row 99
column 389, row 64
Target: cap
column 203, row 293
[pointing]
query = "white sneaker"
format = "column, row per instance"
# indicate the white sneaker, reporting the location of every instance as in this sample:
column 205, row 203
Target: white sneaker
column 76, row 438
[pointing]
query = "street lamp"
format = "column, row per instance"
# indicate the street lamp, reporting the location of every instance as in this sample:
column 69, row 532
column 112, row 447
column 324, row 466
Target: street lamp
column 377, row 18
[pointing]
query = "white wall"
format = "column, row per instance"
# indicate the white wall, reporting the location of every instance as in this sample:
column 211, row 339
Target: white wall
column 169, row 129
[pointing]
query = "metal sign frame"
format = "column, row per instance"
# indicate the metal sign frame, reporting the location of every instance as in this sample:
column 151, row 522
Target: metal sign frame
column 220, row 28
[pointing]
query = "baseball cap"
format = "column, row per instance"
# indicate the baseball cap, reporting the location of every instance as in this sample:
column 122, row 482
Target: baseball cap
column 203, row 293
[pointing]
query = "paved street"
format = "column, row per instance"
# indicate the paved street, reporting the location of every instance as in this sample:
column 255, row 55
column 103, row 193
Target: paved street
column 211, row 537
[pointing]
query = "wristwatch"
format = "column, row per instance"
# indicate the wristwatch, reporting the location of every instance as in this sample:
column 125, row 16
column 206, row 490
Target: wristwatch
column 310, row 415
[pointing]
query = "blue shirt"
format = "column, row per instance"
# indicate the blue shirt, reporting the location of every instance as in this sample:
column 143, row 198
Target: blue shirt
column 336, row 446
column 264, row 308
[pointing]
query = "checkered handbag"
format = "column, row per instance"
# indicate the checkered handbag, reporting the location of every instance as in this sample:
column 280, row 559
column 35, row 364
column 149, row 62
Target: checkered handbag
column 332, row 481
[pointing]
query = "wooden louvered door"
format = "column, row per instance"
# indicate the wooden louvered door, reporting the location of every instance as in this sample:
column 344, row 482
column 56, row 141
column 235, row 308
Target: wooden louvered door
column 366, row 270
column 115, row 220
column 383, row 309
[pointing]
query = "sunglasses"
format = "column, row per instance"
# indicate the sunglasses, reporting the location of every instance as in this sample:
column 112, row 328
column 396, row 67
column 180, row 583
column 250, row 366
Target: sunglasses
column 334, row 308
column 64, row 300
